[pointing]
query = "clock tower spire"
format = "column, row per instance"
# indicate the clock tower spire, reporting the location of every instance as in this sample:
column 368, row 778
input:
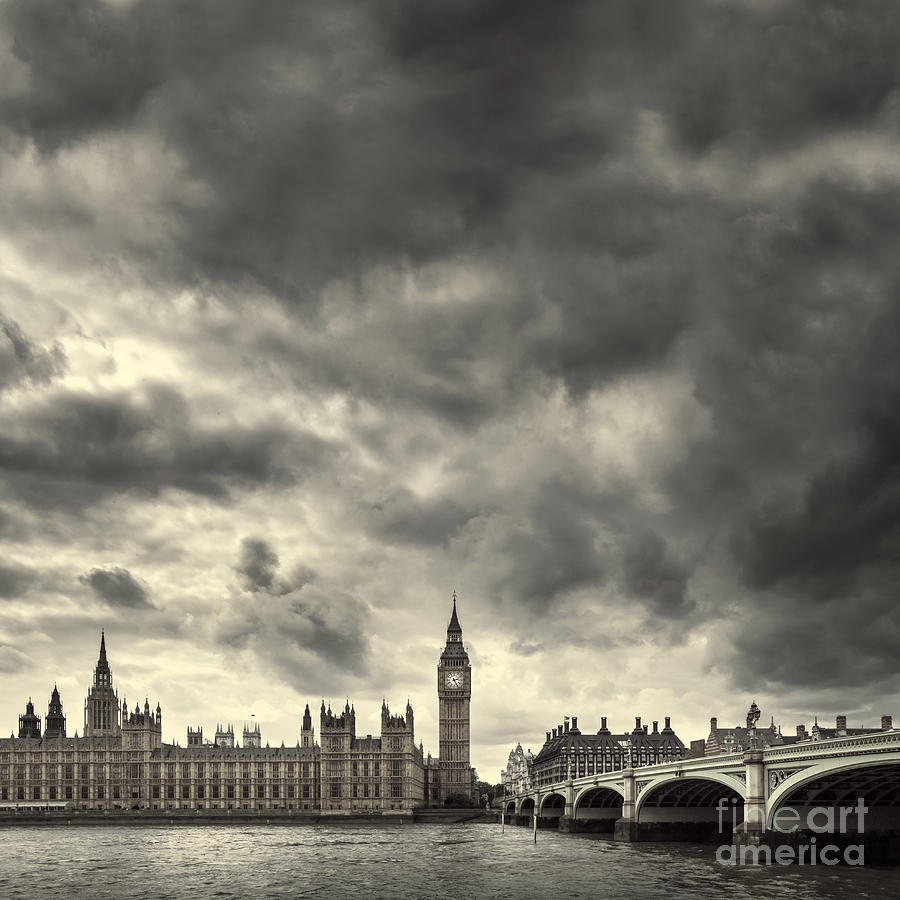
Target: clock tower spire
column 454, row 693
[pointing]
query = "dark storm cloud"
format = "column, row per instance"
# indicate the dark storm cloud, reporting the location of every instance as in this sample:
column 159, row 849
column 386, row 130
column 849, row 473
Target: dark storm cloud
column 296, row 624
column 257, row 563
column 117, row 587
column 24, row 362
column 332, row 138
column 803, row 382
column 813, row 66
column 652, row 187
column 15, row 580
column 557, row 549
column 836, row 645
column 72, row 449
column 403, row 517
column 849, row 518
column 651, row 574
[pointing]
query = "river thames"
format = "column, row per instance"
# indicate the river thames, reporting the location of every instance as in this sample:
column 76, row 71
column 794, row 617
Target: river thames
column 465, row 862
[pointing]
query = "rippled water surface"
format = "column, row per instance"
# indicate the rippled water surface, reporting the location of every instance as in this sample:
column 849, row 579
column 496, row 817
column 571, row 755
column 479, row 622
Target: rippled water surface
column 459, row 861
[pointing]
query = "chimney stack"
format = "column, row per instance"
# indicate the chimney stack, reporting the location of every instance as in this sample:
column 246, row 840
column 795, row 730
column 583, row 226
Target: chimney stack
column 574, row 723
column 668, row 721
column 887, row 723
column 548, row 737
column 637, row 723
column 655, row 726
column 567, row 727
column 602, row 723
column 554, row 732
column 713, row 723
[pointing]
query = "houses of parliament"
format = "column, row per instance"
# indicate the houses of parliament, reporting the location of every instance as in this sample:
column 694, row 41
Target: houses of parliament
column 120, row 762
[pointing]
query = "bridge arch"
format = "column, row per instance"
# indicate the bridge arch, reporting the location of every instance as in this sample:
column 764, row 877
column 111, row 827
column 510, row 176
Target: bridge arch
column 590, row 788
column 700, row 792
column 552, row 805
column 511, row 807
column 840, row 782
column 527, row 807
column 597, row 807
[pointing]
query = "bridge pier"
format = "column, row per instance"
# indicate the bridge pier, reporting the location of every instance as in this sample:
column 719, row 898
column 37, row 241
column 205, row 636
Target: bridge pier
column 625, row 828
column 751, row 830
column 580, row 826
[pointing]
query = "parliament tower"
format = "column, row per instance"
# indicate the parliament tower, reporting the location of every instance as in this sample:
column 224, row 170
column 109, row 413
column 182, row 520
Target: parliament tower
column 454, row 693
column 101, row 709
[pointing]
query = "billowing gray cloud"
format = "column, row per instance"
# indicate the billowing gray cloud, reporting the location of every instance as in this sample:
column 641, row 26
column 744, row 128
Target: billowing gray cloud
column 14, row 580
column 117, row 587
column 300, row 626
column 650, row 573
column 591, row 306
column 23, row 361
column 257, row 563
column 402, row 516
column 522, row 648
column 80, row 447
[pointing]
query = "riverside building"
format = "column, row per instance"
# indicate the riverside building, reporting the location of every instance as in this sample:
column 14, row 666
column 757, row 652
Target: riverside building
column 569, row 753
column 120, row 762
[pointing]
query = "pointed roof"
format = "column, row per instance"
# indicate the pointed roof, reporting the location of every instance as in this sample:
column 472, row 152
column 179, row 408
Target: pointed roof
column 454, row 621
column 102, row 662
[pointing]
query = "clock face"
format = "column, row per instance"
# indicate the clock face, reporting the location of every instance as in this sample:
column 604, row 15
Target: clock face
column 453, row 680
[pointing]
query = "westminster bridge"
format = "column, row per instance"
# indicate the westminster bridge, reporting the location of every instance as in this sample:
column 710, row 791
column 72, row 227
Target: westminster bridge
column 741, row 793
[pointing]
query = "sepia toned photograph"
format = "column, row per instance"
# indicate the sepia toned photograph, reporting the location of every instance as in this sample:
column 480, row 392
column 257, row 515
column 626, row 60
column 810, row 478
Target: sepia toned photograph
column 449, row 449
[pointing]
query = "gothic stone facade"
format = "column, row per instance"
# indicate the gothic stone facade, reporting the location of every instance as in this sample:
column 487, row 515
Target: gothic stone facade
column 516, row 777
column 121, row 761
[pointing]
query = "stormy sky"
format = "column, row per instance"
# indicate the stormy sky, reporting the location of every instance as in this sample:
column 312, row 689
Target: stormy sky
column 313, row 312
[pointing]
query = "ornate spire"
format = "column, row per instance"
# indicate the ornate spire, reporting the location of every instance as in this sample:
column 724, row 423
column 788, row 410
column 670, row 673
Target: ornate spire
column 454, row 625
column 102, row 673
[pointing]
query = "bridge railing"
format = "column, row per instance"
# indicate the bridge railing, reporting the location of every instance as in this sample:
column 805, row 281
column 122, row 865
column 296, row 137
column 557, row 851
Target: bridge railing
column 684, row 764
column 877, row 741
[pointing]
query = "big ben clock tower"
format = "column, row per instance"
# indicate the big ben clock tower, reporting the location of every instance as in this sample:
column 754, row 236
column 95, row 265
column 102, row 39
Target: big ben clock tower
column 454, row 693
